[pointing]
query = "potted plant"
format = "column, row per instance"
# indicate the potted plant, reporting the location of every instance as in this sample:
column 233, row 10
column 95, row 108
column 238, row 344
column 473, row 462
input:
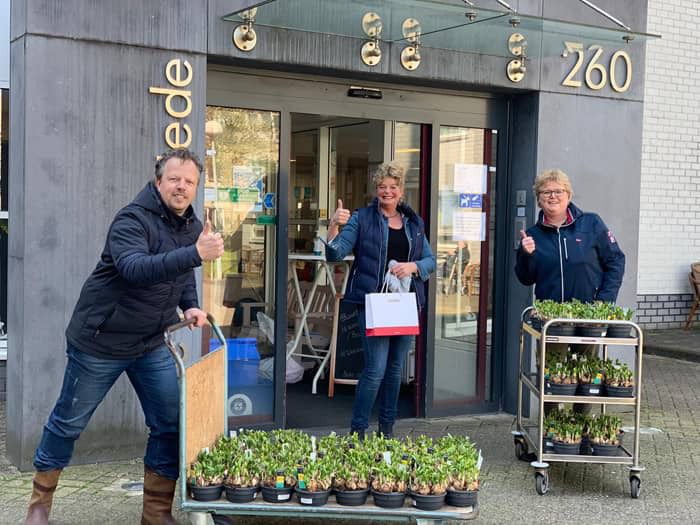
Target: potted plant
column 351, row 482
column 589, row 376
column 560, row 378
column 567, row 438
column 243, row 477
column 206, row 475
column 429, row 483
column 619, row 379
column 596, row 311
column 463, row 479
column 620, row 330
column 278, row 480
column 605, row 435
column 548, row 309
column 389, row 483
column 314, row 481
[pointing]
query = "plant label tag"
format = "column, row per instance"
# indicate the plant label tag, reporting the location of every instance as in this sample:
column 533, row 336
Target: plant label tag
column 312, row 456
column 387, row 457
column 205, row 450
column 479, row 461
column 413, row 502
column 232, row 433
column 594, row 390
column 306, row 501
column 282, row 497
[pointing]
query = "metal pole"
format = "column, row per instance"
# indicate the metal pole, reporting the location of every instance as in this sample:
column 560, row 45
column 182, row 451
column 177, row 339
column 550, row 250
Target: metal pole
column 600, row 11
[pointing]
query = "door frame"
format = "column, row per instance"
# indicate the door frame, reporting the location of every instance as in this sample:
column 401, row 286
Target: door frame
column 289, row 93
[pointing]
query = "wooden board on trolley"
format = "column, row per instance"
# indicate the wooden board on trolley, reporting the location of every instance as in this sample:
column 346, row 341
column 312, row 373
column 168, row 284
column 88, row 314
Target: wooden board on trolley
column 204, row 403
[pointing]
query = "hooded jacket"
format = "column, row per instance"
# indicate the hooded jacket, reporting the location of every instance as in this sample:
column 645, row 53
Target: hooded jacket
column 144, row 273
column 579, row 260
column 367, row 236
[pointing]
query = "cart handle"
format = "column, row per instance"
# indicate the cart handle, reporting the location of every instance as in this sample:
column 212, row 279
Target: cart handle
column 189, row 323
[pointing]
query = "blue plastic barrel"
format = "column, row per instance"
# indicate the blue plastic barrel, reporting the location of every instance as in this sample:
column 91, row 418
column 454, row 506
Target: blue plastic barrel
column 243, row 361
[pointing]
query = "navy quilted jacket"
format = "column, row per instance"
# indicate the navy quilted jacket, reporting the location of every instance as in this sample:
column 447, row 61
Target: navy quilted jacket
column 145, row 272
column 580, row 260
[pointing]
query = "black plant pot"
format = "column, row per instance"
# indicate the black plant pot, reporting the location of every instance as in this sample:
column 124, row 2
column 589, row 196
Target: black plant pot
column 605, row 450
column 619, row 391
column 563, row 330
column 351, row 498
column 536, row 323
column 567, row 448
column 210, row 493
column 589, row 390
column 618, row 331
column 557, row 389
column 241, row 494
column 591, row 330
column 313, row 499
column 388, row 500
column 275, row 495
column 428, row 502
column 461, row 498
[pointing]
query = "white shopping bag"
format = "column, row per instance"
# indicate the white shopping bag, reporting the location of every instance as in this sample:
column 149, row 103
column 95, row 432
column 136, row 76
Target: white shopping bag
column 391, row 314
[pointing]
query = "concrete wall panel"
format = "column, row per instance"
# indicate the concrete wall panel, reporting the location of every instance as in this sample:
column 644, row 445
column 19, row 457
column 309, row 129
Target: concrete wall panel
column 179, row 24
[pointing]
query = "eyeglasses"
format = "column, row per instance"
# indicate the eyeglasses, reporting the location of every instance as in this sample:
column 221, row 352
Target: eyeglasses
column 556, row 193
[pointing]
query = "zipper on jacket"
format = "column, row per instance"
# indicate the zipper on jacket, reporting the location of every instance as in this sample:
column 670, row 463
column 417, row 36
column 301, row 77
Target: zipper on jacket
column 561, row 264
column 566, row 251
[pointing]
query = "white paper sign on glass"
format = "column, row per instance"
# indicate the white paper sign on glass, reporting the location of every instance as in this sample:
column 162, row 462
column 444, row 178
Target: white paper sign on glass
column 468, row 225
column 470, row 178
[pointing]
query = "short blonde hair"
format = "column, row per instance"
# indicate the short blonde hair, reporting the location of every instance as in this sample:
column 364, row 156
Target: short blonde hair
column 391, row 169
column 557, row 176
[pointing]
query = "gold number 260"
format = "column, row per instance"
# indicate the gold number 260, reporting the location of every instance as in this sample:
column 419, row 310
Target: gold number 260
column 596, row 67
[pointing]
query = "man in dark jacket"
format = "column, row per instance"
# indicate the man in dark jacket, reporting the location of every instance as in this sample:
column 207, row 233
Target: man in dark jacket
column 145, row 273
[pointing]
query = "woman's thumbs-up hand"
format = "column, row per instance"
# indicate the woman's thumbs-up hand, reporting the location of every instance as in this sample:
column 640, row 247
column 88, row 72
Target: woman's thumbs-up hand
column 341, row 215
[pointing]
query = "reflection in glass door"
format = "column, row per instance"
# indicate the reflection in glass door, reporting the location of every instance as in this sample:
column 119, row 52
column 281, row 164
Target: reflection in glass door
column 242, row 165
column 464, row 261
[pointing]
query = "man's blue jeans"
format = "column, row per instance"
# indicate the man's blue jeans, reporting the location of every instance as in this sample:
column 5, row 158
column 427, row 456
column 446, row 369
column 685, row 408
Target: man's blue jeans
column 381, row 377
column 86, row 382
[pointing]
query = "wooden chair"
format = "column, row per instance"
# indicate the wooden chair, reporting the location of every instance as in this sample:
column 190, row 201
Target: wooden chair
column 694, row 278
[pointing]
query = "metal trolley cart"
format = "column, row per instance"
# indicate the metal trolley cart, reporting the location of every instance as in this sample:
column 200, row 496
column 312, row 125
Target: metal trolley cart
column 203, row 418
column 530, row 437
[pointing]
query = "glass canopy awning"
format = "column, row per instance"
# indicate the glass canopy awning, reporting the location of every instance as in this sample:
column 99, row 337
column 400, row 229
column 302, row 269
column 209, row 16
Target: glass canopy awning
column 437, row 24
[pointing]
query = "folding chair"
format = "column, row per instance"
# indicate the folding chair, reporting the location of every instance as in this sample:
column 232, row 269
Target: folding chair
column 694, row 278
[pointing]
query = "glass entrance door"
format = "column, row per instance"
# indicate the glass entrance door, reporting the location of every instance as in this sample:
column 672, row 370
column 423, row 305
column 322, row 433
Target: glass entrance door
column 242, row 165
column 463, row 310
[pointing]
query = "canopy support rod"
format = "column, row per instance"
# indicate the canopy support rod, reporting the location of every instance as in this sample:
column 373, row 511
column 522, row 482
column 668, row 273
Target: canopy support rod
column 504, row 4
column 602, row 12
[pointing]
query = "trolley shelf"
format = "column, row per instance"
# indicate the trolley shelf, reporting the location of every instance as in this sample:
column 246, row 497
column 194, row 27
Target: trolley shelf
column 530, row 437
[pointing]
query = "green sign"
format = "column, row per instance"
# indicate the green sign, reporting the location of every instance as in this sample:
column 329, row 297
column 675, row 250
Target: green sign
column 266, row 219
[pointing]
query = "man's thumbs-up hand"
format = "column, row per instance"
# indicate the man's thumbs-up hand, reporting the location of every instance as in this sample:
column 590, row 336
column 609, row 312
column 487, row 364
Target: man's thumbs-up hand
column 527, row 242
column 210, row 246
column 341, row 215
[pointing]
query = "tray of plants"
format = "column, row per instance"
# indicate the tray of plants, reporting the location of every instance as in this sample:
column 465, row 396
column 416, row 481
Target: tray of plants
column 572, row 340
column 289, row 473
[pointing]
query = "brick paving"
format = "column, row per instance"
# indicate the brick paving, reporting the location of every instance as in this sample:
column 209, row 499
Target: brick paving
column 579, row 493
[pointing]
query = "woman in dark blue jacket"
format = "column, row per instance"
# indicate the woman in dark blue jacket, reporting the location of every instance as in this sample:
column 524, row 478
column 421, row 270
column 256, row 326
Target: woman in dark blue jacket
column 386, row 230
column 568, row 254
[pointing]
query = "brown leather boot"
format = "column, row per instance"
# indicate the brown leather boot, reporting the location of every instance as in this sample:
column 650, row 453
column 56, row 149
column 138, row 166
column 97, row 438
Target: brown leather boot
column 44, row 485
column 158, row 495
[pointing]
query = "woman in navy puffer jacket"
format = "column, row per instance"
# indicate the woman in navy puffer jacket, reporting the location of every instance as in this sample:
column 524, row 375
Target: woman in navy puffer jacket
column 386, row 230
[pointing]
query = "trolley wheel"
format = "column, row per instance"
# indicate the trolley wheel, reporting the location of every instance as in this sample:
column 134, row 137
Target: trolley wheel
column 520, row 448
column 542, row 483
column 635, row 486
